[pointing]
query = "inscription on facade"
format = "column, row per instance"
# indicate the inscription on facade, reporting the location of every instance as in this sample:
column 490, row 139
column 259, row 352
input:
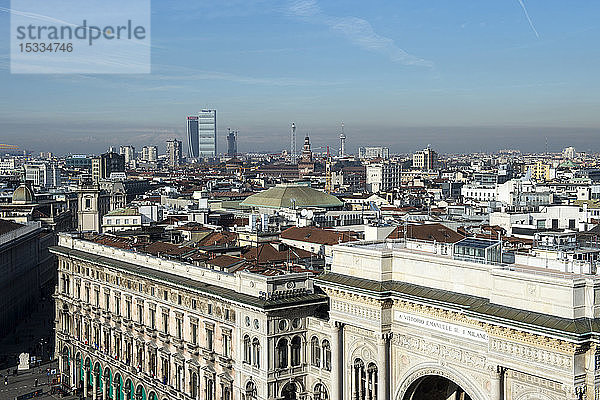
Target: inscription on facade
column 442, row 326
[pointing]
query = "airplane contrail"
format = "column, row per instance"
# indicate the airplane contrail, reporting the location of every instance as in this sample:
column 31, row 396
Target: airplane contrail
column 528, row 18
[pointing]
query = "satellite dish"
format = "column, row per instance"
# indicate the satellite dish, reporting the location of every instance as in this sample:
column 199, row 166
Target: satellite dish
column 309, row 214
column 303, row 212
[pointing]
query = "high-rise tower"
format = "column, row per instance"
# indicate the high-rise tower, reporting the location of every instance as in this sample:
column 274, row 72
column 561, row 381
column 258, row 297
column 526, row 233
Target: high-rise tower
column 231, row 142
column 207, row 133
column 342, row 142
column 192, row 136
column 293, row 144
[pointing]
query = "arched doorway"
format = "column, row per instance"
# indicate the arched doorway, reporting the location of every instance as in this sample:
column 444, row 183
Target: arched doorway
column 434, row 387
column 289, row 392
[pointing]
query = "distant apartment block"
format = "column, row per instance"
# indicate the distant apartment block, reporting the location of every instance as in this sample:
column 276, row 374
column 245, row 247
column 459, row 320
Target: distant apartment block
column 373, row 152
column 150, row 153
column 174, row 152
column 425, row 160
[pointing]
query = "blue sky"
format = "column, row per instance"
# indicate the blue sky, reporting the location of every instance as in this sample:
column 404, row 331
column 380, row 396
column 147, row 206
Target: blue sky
column 461, row 76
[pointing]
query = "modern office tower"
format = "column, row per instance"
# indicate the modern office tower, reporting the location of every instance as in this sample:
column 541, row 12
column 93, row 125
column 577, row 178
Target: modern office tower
column 425, row 160
column 174, row 152
column 192, row 136
column 207, row 133
column 106, row 164
column 150, row 153
column 231, row 142
column 129, row 153
column 374, row 152
column 342, row 142
column 42, row 174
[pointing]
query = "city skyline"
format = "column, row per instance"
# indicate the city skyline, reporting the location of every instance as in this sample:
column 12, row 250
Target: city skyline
column 467, row 77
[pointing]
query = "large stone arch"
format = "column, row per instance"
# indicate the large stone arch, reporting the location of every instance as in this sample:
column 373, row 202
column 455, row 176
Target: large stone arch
column 433, row 369
column 532, row 395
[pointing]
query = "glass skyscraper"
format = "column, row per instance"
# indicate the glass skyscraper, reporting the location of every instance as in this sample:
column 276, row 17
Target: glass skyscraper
column 192, row 136
column 207, row 133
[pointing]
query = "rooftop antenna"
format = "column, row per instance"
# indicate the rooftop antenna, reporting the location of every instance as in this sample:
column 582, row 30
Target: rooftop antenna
column 293, row 144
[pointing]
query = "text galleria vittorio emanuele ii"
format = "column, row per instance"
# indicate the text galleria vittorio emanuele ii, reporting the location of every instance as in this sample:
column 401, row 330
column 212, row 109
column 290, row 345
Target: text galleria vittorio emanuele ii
column 389, row 320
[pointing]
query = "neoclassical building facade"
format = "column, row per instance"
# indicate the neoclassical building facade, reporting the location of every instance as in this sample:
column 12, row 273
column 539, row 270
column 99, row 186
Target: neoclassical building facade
column 134, row 326
column 395, row 320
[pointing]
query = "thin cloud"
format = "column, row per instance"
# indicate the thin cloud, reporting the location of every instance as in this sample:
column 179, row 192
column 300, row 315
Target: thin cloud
column 528, row 18
column 357, row 31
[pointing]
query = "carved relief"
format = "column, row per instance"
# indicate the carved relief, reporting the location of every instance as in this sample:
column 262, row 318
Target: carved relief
column 521, row 386
column 442, row 352
column 531, row 353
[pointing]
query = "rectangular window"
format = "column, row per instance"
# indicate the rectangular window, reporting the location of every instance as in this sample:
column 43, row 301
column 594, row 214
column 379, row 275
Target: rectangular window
column 194, row 330
column 107, row 301
column 194, row 304
column 140, row 313
column 209, row 338
column 226, row 344
column 128, row 309
column 179, row 328
column 118, row 305
column 165, row 322
column 152, row 319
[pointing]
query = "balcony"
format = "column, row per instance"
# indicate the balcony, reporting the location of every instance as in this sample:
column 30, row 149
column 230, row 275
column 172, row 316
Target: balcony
column 208, row 355
column 226, row 362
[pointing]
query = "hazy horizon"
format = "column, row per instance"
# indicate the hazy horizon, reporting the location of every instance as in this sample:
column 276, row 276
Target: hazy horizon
column 464, row 77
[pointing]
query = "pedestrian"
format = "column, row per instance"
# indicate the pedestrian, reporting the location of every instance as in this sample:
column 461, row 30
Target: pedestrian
column 5, row 380
column 36, row 382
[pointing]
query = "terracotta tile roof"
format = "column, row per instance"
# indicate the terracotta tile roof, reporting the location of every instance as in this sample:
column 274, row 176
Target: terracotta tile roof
column 219, row 238
column 269, row 254
column 312, row 234
column 157, row 248
column 428, row 232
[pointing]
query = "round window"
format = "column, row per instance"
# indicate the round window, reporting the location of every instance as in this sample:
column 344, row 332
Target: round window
column 283, row 325
column 247, row 321
column 296, row 323
column 256, row 324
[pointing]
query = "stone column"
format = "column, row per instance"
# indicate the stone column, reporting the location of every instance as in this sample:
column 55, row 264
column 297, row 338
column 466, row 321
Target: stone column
column 94, row 388
column 496, row 390
column 383, row 367
column 86, row 381
column 105, row 384
column 337, row 362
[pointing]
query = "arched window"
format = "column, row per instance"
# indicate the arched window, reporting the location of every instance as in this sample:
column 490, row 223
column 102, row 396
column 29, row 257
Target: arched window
column 282, row 354
column 315, row 352
column 326, row 355
column 359, row 378
column 372, row 381
column 250, row 391
column 256, row 352
column 247, row 349
column 296, row 349
column 320, row 392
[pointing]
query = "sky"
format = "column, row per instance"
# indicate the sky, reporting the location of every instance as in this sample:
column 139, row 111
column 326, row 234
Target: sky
column 461, row 76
